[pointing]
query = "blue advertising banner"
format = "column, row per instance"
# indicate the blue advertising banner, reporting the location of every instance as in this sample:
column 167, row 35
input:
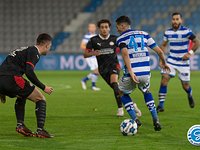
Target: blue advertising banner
column 77, row 62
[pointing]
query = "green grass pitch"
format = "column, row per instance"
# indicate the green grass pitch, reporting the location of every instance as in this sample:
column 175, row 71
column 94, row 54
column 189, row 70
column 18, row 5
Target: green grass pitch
column 86, row 120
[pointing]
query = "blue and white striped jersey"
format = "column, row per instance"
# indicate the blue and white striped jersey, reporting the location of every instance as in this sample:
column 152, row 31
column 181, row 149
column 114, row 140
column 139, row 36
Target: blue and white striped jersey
column 137, row 43
column 178, row 45
column 87, row 37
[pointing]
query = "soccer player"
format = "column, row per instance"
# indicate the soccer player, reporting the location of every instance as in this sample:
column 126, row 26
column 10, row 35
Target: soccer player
column 12, row 83
column 103, row 47
column 91, row 61
column 134, row 49
column 178, row 60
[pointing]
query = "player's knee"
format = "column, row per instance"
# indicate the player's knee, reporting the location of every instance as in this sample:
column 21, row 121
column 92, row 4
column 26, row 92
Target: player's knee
column 41, row 97
column 165, row 80
column 185, row 85
column 115, row 87
column 36, row 96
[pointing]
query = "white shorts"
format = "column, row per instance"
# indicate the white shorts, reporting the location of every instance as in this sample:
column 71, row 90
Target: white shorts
column 183, row 72
column 126, row 84
column 92, row 62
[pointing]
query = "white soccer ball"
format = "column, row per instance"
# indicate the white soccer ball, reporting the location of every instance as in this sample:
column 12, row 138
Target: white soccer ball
column 128, row 127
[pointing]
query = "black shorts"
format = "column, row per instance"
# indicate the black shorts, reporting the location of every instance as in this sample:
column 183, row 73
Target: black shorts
column 13, row 86
column 108, row 71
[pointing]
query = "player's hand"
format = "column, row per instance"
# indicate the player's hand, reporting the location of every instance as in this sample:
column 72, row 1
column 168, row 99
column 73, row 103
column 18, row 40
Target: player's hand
column 135, row 79
column 186, row 56
column 164, row 66
column 96, row 53
column 48, row 90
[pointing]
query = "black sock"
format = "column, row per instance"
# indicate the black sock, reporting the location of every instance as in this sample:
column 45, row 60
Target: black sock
column 115, row 88
column 40, row 111
column 20, row 110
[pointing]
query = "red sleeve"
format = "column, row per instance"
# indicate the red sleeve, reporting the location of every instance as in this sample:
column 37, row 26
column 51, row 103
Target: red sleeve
column 190, row 45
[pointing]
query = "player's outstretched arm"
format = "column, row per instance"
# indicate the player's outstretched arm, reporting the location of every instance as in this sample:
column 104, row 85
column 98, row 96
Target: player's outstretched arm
column 162, row 58
column 193, row 49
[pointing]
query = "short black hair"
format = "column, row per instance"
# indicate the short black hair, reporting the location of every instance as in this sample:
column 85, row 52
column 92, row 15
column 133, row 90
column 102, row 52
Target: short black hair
column 43, row 38
column 177, row 13
column 123, row 19
column 103, row 21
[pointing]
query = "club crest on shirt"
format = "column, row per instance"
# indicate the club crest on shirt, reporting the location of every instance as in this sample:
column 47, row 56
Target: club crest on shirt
column 179, row 36
column 111, row 43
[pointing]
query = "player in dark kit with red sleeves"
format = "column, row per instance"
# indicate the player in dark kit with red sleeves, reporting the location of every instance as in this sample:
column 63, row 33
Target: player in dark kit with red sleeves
column 19, row 62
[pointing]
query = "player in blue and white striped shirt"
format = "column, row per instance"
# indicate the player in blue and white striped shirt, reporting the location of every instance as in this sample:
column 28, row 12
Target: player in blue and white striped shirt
column 178, row 60
column 91, row 61
column 134, row 48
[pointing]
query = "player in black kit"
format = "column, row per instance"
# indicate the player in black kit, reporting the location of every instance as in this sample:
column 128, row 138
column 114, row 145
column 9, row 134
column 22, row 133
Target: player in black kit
column 104, row 48
column 12, row 83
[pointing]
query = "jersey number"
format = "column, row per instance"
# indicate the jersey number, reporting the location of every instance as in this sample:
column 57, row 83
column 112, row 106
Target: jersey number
column 133, row 44
column 13, row 53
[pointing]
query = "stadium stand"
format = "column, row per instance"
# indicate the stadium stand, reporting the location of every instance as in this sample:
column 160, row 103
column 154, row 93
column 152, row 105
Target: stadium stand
column 22, row 20
column 66, row 20
column 71, row 45
column 152, row 16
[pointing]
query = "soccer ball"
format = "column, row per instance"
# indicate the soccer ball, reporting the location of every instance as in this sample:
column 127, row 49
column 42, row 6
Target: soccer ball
column 128, row 127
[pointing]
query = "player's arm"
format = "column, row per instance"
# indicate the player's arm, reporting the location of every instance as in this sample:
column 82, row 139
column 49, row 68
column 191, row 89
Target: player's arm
column 196, row 44
column 85, row 51
column 32, row 77
column 31, row 61
column 162, row 58
column 163, row 46
column 151, row 44
column 83, row 45
column 88, row 52
column 127, row 62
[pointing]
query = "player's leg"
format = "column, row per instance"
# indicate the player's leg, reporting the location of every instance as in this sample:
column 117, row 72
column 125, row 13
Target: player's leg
column 20, row 109
column 92, row 63
column 40, row 111
column 163, row 87
column 17, row 86
column 144, row 86
column 89, row 76
column 94, row 78
column 114, row 86
column 184, row 76
column 151, row 106
column 188, row 89
column 126, row 86
column 20, row 112
column 84, row 80
column 163, row 92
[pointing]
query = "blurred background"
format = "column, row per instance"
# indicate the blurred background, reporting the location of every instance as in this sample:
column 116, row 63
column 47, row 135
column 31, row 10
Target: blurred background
column 66, row 20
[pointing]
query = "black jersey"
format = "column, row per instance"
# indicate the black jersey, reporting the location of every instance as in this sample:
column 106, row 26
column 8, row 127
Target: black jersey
column 107, row 48
column 22, row 61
